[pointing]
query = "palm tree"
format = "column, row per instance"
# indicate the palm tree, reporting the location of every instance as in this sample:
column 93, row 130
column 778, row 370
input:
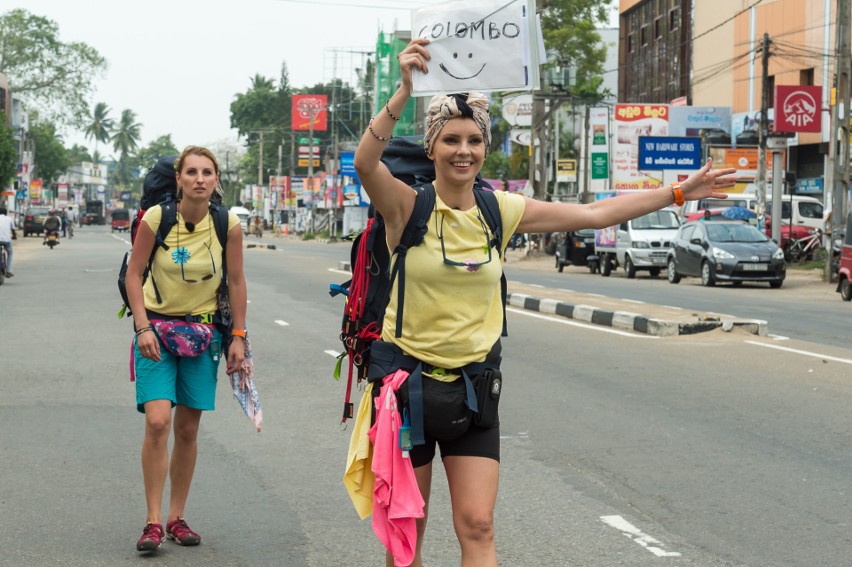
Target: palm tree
column 126, row 137
column 100, row 125
column 125, row 141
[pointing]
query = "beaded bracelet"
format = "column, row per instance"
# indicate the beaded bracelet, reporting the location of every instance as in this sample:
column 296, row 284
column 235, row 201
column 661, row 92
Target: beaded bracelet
column 373, row 132
column 391, row 114
column 143, row 329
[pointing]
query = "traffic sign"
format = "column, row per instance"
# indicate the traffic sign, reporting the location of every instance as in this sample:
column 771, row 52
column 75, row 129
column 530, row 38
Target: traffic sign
column 307, row 141
column 304, row 163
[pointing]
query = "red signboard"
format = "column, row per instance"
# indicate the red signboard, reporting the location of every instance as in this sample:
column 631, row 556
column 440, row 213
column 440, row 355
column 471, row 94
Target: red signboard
column 797, row 108
column 309, row 108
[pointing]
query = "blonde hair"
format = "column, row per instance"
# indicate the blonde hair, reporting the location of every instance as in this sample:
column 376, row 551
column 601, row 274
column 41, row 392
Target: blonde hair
column 203, row 152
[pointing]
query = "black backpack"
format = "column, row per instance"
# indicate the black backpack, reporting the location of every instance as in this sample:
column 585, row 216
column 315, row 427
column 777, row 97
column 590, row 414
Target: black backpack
column 368, row 292
column 160, row 188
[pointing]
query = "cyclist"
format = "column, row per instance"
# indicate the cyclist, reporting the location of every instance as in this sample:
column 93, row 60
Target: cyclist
column 7, row 235
column 51, row 224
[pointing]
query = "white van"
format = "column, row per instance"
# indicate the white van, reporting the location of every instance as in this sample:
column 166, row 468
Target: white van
column 244, row 216
column 639, row 244
column 806, row 211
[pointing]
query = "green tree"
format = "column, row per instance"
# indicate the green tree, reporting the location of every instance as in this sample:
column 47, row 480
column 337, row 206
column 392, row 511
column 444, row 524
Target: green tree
column 569, row 29
column 146, row 157
column 78, row 154
column 54, row 77
column 125, row 141
column 8, row 153
column 99, row 125
column 51, row 157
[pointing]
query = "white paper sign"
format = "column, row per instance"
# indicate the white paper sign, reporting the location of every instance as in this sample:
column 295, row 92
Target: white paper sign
column 481, row 45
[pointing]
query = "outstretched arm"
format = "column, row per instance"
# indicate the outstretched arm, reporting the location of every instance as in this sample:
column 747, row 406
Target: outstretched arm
column 540, row 216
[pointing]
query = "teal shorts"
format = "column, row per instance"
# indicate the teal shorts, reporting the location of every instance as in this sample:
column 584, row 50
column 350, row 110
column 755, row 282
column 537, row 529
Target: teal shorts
column 184, row 381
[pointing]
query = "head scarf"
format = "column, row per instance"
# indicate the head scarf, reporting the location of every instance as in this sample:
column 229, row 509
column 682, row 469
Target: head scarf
column 443, row 108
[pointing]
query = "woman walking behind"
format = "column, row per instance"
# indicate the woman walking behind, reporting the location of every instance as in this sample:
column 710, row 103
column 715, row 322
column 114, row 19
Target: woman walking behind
column 453, row 312
column 182, row 287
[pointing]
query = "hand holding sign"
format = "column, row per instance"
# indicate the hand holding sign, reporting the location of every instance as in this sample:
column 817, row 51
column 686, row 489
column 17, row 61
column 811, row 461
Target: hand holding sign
column 481, row 45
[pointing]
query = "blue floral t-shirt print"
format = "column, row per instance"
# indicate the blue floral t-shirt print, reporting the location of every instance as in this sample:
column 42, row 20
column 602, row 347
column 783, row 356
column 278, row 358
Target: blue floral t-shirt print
column 180, row 256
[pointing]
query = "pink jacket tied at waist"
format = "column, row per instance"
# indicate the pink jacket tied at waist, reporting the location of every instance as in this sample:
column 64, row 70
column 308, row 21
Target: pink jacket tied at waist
column 397, row 502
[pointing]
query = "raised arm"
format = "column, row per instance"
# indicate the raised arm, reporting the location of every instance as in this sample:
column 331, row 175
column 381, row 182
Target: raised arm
column 540, row 216
column 391, row 197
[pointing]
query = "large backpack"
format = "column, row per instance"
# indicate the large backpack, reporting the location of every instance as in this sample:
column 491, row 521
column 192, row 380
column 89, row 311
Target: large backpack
column 160, row 188
column 368, row 292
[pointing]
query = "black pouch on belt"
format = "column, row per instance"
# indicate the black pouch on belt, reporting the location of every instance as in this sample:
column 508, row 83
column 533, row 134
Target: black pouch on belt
column 488, row 386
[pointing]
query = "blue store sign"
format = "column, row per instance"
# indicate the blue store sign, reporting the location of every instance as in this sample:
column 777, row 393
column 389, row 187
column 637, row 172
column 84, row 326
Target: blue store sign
column 657, row 153
column 347, row 164
column 809, row 185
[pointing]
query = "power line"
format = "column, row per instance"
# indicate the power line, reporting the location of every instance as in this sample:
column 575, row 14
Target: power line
column 319, row 3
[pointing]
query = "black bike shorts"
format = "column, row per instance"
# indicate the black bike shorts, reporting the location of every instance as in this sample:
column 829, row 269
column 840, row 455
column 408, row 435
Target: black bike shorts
column 475, row 442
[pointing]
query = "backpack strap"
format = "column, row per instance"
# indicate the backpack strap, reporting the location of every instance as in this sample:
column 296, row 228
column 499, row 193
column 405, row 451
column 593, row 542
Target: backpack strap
column 412, row 235
column 487, row 203
column 167, row 220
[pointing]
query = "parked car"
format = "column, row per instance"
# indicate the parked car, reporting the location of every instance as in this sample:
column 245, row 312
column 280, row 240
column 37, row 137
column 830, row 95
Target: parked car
column 34, row 220
column 844, row 270
column 574, row 248
column 243, row 214
column 806, row 211
column 725, row 251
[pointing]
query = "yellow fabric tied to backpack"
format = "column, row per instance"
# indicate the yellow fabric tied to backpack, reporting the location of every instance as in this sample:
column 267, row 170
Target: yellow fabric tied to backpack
column 359, row 477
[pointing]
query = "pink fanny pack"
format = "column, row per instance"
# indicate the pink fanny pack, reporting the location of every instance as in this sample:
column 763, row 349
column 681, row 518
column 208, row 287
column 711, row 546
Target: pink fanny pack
column 182, row 338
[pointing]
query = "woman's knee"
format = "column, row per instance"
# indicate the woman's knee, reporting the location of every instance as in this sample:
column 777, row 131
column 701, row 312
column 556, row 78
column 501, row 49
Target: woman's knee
column 475, row 526
column 157, row 426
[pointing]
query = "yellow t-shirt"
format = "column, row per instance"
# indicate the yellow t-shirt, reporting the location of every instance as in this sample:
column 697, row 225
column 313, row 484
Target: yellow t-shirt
column 200, row 254
column 452, row 316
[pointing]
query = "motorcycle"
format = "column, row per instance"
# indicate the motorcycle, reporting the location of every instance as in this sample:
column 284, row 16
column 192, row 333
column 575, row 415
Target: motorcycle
column 51, row 238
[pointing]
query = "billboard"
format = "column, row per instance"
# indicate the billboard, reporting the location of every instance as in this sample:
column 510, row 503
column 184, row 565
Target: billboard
column 310, row 110
column 798, row 108
column 631, row 122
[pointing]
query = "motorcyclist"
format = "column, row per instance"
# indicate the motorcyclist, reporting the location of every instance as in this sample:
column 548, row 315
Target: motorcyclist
column 51, row 224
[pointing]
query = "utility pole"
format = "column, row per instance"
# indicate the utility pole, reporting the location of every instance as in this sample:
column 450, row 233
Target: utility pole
column 763, row 131
column 837, row 170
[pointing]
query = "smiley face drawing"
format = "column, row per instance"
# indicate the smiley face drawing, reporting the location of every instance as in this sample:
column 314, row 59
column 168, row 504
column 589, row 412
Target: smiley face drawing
column 456, row 56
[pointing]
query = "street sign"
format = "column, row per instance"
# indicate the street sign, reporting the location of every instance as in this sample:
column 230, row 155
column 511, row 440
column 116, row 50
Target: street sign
column 308, row 149
column 304, row 163
column 566, row 170
column 797, row 108
column 307, row 141
column 600, row 165
column 668, row 152
column 776, row 143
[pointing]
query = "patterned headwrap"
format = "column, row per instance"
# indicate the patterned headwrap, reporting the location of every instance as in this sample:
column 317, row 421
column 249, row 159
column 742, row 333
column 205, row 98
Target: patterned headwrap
column 443, row 108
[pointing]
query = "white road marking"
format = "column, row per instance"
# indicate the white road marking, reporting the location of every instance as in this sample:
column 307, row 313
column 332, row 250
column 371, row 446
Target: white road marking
column 595, row 295
column 802, row 352
column 535, row 285
column 568, row 290
column 336, row 271
column 778, row 337
column 673, row 307
column 581, row 325
column 282, row 323
column 633, row 301
column 126, row 241
column 333, row 353
column 634, row 533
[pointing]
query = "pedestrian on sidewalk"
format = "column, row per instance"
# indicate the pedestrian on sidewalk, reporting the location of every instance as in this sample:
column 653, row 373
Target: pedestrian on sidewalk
column 454, row 313
column 7, row 235
column 173, row 372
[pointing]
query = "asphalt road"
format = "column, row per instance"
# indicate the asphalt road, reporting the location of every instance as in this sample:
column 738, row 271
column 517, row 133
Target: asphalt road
column 618, row 449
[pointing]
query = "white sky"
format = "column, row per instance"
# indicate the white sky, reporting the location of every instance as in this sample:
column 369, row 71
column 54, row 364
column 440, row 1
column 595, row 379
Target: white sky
column 179, row 63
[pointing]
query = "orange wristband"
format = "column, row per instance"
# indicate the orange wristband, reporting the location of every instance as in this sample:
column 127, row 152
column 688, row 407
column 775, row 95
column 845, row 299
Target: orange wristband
column 238, row 333
column 677, row 193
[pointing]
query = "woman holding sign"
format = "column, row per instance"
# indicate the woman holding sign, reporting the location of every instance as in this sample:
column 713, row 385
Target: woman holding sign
column 453, row 314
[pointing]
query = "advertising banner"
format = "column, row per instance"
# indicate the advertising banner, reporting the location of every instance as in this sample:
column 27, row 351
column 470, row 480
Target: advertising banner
column 347, row 164
column 599, row 146
column 308, row 108
column 693, row 120
column 632, row 121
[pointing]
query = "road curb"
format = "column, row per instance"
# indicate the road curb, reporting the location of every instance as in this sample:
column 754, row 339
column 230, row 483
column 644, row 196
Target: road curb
column 624, row 320
column 629, row 321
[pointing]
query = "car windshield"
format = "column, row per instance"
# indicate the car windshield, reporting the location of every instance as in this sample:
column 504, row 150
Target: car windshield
column 39, row 211
column 658, row 220
column 734, row 233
